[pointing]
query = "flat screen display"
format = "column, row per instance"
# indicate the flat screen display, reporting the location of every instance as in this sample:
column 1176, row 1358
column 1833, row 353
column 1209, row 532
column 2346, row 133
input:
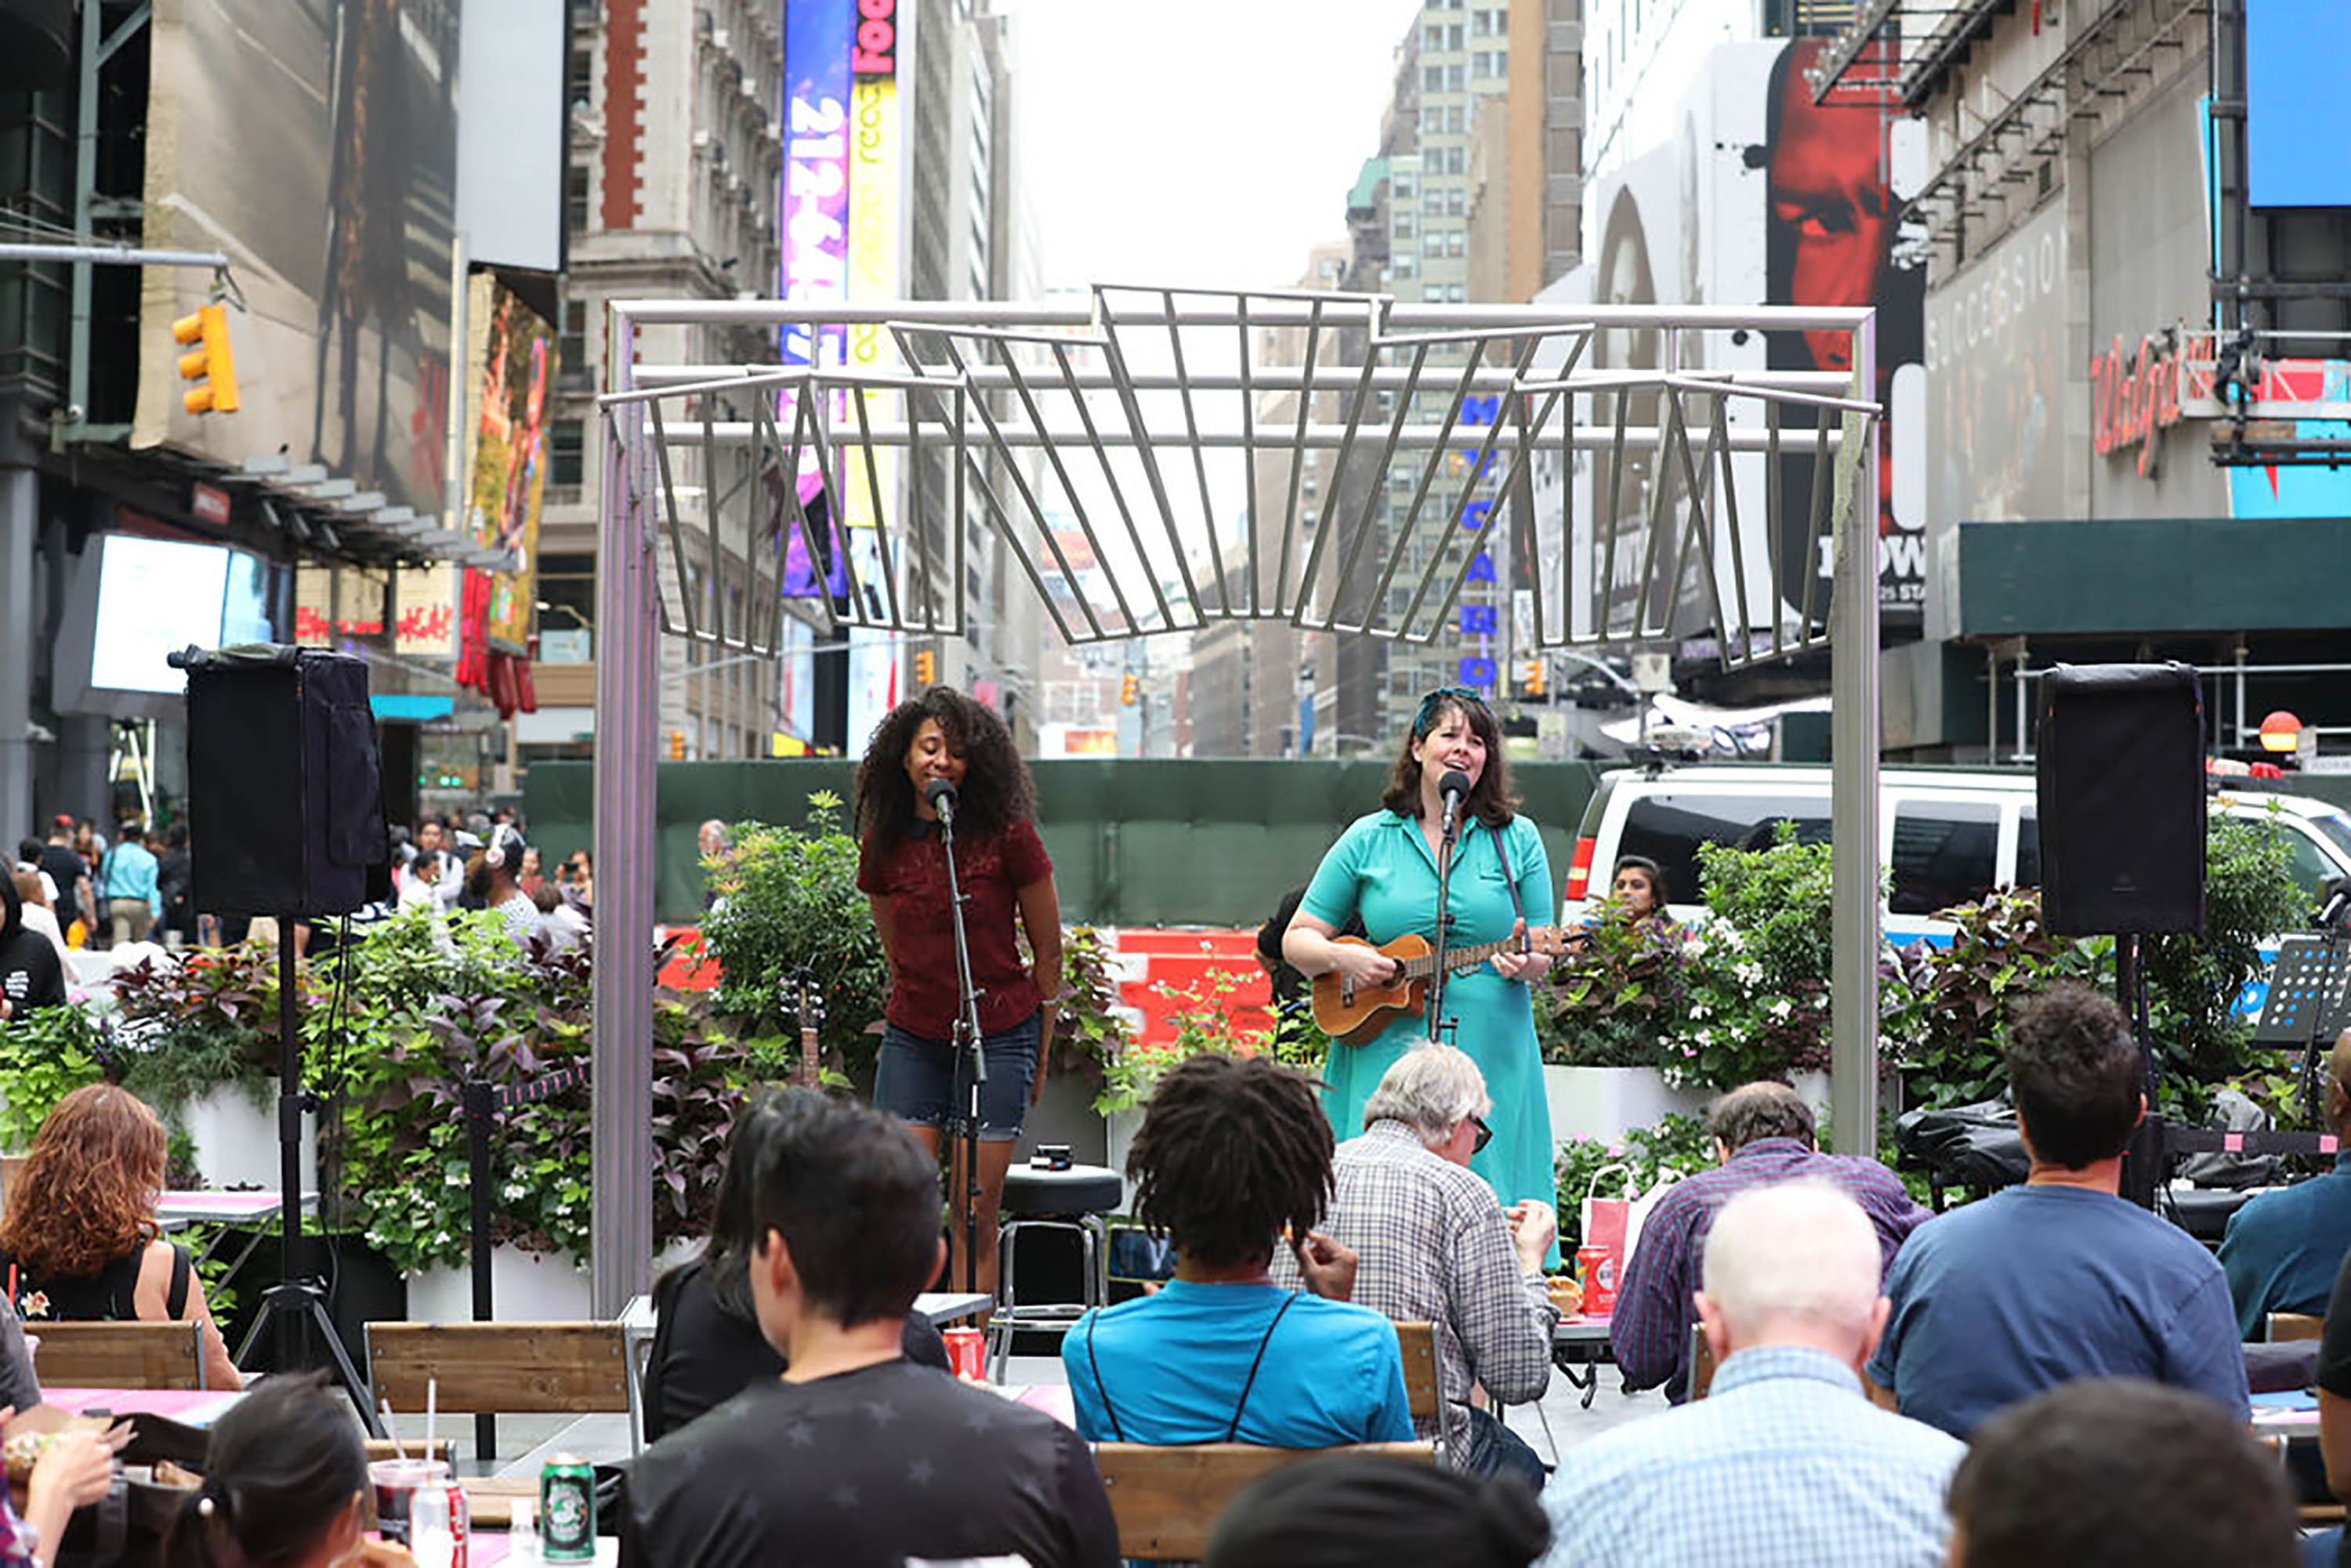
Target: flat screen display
column 154, row 598
column 2296, row 54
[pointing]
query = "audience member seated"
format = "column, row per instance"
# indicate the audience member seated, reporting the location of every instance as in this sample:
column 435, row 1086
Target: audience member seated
column 707, row 1347
column 854, row 1456
column 1785, row 1461
column 2119, row 1474
column 1433, row 1246
column 2060, row 1278
column 285, row 1484
column 1356, row 1511
column 2334, row 1397
column 72, row 1472
column 79, row 1240
column 1762, row 1134
column 31, row 973
column 1232, row 1151
column 2282, row 1249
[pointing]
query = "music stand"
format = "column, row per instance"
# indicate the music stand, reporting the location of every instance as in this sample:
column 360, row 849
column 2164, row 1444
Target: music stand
column 2309, row 1002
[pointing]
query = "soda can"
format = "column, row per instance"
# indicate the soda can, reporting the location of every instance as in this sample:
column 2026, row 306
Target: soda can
column 967, row 1354
column 441, row 1508
column 566, row 1510
column 1596, row 1267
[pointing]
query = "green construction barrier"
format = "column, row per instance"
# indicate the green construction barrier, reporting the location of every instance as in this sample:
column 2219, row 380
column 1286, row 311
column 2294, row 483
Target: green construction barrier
column 1134, row 841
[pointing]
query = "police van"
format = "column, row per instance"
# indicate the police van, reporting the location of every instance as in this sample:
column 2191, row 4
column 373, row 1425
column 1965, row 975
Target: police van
column 1946, row 834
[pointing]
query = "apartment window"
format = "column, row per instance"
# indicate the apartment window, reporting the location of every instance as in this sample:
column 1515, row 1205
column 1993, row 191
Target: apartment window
column 1491, row 63
column 1456, row 79
column 565, row 446
column 1402, row 226
column 1401, row 266
column 1432, row 78
column 1400, row 186
column 575, row 199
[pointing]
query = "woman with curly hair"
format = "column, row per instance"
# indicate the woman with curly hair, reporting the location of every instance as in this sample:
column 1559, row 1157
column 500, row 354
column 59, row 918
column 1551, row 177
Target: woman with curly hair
column 79, row 1240
column 1384, row 868
column 946, row 737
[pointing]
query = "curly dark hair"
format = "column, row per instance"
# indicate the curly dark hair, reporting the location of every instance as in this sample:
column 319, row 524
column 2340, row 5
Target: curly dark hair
column 1232, row 1149
column 1491, row 800
column 87, row 1195
column 996, row 791
column 2075, row 1072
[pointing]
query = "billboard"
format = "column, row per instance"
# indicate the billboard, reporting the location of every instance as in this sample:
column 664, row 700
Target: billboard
column 1994, row 382
column 2294, row 51
column 316, row 146
column 818, row 36
column 1762, row 196
column 513, row 353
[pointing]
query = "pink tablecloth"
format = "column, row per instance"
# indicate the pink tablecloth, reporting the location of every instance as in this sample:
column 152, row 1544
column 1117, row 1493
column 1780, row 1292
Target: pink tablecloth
column 190, row 1407
column 1052, row 1398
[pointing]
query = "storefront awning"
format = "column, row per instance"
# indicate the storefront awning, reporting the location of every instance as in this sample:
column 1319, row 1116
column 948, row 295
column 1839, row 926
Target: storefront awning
column 2154, row 576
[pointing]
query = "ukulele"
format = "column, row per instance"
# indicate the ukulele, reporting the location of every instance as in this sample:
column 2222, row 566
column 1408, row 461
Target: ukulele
column 1354, row 1015
column 806, row 1074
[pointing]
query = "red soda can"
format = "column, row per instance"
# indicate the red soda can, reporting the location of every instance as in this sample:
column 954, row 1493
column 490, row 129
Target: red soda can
column 1595, row 1267
column 967, row 1354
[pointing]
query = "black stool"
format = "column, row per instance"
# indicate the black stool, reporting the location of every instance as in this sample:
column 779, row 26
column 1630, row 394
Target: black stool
column 1074, row 1200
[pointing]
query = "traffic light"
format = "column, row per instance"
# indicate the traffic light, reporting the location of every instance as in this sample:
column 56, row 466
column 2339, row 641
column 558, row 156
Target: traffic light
column 926, row 667
column 678, row 746
column 208, row 365
column 1129, row 692
column 1532, row 685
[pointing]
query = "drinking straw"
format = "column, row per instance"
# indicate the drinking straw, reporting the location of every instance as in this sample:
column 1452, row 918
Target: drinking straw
column 431, row 1415
column 397, row 1448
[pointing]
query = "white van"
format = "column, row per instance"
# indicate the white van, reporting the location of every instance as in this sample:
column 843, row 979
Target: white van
column 1947, row 834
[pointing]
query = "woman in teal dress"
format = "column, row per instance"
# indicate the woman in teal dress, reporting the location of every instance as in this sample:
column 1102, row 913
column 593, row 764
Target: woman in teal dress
column 1384, row 868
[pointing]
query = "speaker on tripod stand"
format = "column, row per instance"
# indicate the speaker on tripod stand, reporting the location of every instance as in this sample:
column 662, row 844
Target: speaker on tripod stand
column 285, row 793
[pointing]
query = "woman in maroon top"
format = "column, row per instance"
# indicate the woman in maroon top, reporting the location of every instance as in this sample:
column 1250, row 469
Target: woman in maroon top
column 944, row 735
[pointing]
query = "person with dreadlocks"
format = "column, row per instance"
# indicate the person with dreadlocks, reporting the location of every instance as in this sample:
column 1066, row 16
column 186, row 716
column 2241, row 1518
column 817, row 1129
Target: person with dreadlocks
column 946, row 737
column 1383, row 870
column 1233, row 1157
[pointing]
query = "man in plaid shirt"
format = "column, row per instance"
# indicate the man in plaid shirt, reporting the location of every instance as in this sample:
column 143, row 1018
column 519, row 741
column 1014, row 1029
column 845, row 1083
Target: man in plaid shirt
column 1763, row 1136
column 1435, row 1245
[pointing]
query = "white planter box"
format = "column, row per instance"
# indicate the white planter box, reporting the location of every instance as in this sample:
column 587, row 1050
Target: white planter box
column 237, row 1142
column 1604, row 1101
column 525, row 1288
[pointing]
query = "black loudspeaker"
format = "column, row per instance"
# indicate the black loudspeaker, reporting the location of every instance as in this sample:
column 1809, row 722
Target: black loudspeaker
column 284, row 789
column 2122, row 800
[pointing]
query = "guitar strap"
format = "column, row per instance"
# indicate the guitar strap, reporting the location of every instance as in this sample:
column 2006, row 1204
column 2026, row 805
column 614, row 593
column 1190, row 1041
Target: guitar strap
column 1510, row 877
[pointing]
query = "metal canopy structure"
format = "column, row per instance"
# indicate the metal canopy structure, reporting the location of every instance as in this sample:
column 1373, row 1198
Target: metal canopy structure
column 1155, row 460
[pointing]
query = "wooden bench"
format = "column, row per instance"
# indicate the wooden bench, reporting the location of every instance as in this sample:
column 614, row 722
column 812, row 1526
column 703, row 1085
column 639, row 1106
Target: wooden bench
column 2287, row 1326
column 1167, row 1500
column 119, row 1355
column 1422, row 1392
column 501, row 1369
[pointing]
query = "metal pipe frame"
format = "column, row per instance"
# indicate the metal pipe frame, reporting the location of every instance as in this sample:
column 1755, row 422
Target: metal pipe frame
column 976, row 379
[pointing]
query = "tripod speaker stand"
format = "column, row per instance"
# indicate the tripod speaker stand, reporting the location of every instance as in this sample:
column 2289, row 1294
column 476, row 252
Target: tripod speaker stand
column 284, row 789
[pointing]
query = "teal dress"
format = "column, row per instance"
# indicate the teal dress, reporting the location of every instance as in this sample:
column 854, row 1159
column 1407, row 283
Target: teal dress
column 1382, row 869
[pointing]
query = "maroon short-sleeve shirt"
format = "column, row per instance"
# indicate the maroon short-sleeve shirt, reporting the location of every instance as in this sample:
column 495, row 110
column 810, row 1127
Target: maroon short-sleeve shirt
column 910, row 876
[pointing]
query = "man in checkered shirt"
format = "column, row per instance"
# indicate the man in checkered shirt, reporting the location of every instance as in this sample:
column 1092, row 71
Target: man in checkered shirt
column 1437, row 1247
column 1762, row 1134
column 1786, row 1463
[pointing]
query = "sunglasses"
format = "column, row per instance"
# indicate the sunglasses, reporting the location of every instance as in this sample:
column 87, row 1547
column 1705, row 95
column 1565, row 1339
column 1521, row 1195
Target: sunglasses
column 1485, row 1135
column 1435, row 702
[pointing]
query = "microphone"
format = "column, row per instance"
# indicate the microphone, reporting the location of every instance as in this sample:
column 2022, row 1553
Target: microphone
column 1454, row 786
column 942, row 797
column 2337, row 892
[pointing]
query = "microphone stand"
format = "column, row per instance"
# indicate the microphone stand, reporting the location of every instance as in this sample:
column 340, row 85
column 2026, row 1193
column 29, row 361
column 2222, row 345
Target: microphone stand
column 970, row 1055
column 1436, row 1000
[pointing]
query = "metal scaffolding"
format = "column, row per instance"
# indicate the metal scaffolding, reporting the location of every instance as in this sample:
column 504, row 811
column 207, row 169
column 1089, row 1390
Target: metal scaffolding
column 1094, row 441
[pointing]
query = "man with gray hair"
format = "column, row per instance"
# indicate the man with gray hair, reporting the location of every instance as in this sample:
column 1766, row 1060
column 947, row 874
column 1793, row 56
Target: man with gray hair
column 1435, row 1245
column 1786, row 1460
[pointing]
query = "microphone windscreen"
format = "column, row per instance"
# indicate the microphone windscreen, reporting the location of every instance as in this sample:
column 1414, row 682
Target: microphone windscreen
column 1455, row 782
column 939, row 790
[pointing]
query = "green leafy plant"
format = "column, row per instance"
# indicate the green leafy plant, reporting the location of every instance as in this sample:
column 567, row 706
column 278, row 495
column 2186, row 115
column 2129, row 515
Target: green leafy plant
column 1204, row 1015
column 790, row 906
column 209, row 1020
column 1616, row 1000
column 1090, row 1029
column 45, row 1055
column 1952, row 1025
column 2194, row 981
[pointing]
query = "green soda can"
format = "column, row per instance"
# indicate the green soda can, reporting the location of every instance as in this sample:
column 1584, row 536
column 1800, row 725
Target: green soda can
column 566, row 1510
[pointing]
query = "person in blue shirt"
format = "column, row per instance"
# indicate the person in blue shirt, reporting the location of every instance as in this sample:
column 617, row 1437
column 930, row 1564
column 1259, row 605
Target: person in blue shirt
column 2060, row 1278
column 2282, row 1249
column 1234, row 1150
column 130, row 879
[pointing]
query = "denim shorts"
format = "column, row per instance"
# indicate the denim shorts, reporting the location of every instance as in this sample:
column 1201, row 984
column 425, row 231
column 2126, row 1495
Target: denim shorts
column 920, row 1079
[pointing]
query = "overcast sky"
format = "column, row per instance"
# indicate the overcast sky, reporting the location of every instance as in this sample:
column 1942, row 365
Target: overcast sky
column 1207, row 142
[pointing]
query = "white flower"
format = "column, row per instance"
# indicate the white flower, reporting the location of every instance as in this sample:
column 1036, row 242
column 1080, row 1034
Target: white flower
column 1749, row 972
column 1783, row 1007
